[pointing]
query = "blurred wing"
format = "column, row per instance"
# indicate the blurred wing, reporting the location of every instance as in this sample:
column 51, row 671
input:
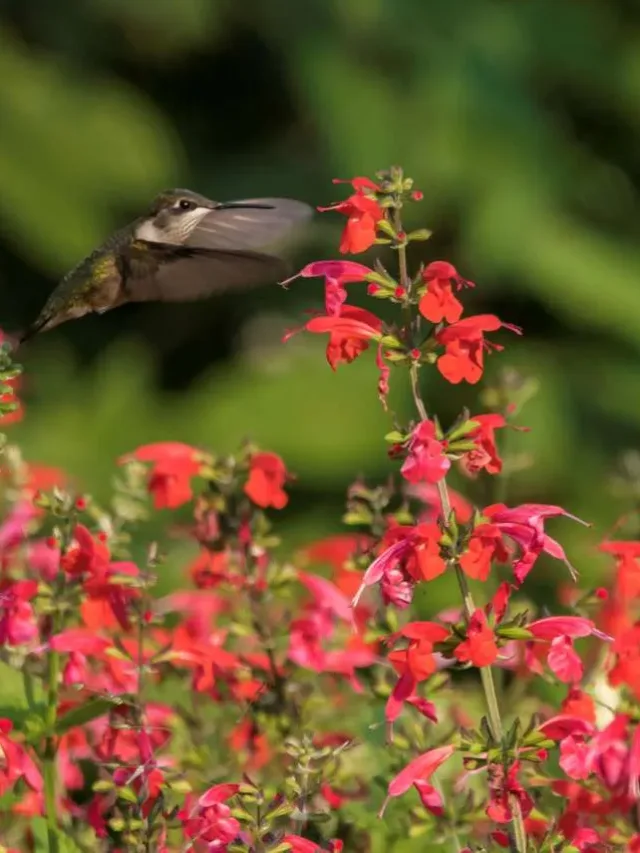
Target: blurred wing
column 250, row 228
column 189, row 274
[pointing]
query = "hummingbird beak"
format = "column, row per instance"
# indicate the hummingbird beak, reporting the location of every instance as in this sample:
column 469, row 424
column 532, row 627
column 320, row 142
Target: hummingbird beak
column 242, row 205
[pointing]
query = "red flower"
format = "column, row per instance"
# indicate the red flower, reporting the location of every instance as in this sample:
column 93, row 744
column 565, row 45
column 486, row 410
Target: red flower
column 485, row 546
column 174, row 465
column 627, row 557
column 525, row 525
column 267, row 476
column 86, row 555
column 485, row 455
column 16, row 762
column 480, row 647
column 439, row 303
column 210, row 819
column 464, row 345
column 18, row 622
column 426, row 458
column 413, row 555
column 505, row 788
column 363, row 212
column 421, row 769
column 349, row 333
column 336, row 275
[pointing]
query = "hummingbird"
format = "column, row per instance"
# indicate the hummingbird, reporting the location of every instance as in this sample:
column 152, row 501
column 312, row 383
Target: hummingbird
column 186, row 247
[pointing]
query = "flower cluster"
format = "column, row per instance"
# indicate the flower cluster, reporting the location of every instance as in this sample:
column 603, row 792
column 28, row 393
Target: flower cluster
column 238, row 712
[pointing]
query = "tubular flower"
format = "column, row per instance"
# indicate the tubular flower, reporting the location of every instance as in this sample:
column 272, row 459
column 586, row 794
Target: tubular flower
column 174, row 466
column 426, row 459
column 363, row 214
column 336, row 274
column 485, row 454
column 465, row 345
column 439, row 303
column 267, row 476
column 525, row 526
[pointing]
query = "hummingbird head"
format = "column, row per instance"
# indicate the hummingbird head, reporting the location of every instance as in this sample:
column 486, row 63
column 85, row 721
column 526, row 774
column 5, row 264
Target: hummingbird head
column 173, row 215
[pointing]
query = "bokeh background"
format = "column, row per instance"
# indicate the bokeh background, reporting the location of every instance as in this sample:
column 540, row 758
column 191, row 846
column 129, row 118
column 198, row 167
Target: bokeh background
column 520, row 121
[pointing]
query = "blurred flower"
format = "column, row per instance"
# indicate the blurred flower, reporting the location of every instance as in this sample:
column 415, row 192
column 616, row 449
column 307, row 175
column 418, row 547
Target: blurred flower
column 174, row 466
column 420, row 770
column 267, row 476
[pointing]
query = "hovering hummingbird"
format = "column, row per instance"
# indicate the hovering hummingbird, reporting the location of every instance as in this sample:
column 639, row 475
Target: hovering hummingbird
column 187, row 247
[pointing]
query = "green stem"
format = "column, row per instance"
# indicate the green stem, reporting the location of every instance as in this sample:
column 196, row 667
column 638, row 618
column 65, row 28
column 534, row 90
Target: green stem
column 518, row 836
column 50, row 775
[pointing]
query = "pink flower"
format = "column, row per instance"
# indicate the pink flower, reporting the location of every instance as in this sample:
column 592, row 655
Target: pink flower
column 414, row 551
column 525, row 525
column 18, row 623
column 421, row 769
column 336, row 275
column 16, row 762
column 426, row 458
column 562, row 658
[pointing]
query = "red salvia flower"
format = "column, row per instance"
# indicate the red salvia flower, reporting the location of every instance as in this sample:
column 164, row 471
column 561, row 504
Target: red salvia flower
column 421, row 769
column 336, row 274
column 363, row 214
column 525, row 526
column 426, row 459
column 439, row 303
column 480, row 647
column 174, row 466
column 465, row 344
column 485, row 454
column 267, row 476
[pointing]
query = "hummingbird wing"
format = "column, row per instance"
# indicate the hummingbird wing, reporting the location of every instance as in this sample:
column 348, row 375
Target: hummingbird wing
column 167, row 273
column 219, row 254
column 253, row 223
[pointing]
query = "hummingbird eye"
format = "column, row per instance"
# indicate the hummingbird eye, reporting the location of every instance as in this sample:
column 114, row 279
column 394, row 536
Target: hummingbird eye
column 186, row 204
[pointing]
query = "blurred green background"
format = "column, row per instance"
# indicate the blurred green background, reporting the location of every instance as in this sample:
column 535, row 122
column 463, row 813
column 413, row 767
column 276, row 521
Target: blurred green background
column 520, row 121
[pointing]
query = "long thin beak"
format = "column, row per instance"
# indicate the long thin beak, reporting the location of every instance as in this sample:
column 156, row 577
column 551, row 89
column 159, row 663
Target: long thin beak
column 242, row 205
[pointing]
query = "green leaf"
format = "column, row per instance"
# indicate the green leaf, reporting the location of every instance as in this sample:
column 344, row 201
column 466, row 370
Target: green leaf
column 82, row 715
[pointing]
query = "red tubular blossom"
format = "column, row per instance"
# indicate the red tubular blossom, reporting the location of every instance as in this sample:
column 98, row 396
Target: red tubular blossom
column 336, row 274
column 349, row 333
column 414, row 550
column 480, row 647
column 485, row 455
column 525, row 526
column 465, row 346
column 439, row 303
column 363, row 214
column 267, row 476
column 174, row 466
column 426, row 459
column 421, row 769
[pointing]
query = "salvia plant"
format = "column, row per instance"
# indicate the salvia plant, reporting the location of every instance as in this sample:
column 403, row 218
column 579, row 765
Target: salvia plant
column 302, row 704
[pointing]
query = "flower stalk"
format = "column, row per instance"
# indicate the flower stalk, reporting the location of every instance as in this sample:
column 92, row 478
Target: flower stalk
column 518, row 838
